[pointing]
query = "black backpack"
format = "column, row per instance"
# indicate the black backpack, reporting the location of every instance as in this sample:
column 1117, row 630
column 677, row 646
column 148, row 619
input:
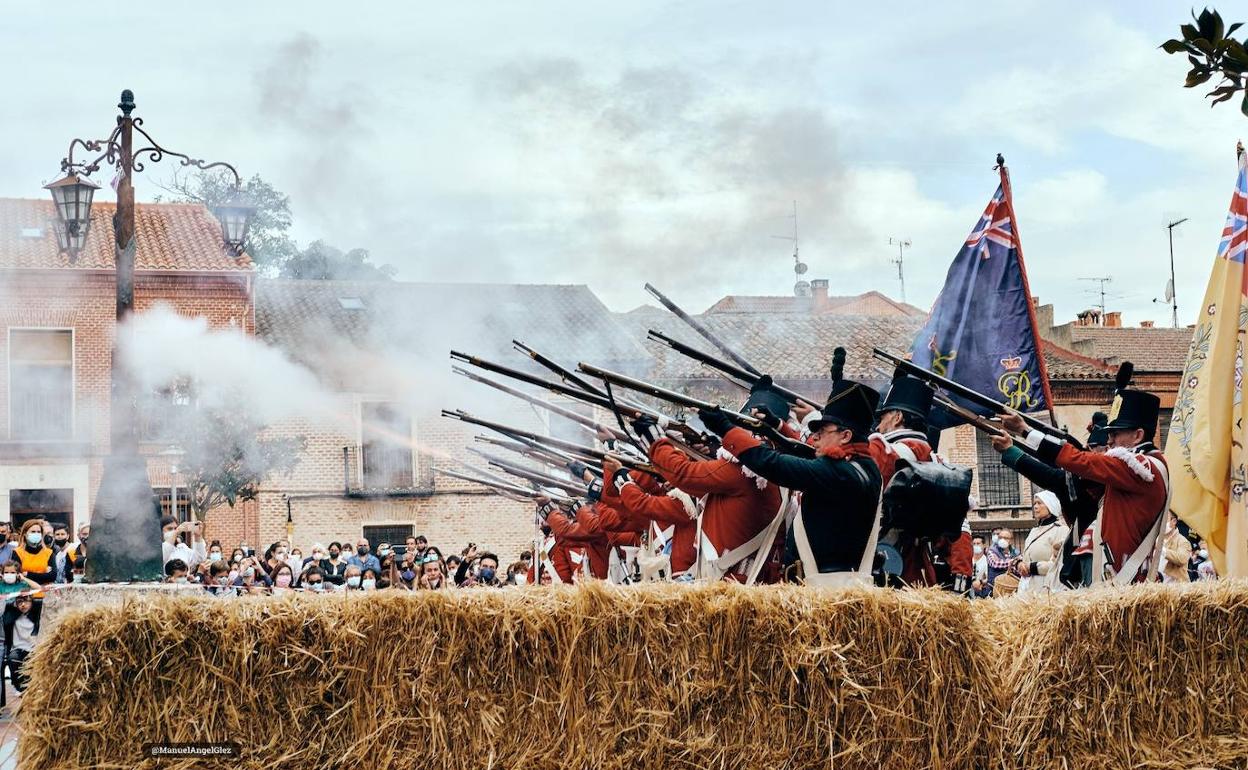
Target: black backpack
column 927, row 499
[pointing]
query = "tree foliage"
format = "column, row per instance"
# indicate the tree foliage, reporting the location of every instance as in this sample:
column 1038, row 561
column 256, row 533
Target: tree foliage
column 226, row 457
column 323, row 262
column 1212, row 51
column 268, row 239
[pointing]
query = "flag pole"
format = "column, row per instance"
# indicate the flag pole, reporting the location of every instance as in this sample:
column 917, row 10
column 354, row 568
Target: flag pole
column 1031, row 308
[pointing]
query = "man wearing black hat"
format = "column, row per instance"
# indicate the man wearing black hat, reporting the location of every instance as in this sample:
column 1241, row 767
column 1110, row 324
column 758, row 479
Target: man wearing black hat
column 741, row 512
column 1127, row 533
column 832, row 540
column 1080, row 500
column 901, row 436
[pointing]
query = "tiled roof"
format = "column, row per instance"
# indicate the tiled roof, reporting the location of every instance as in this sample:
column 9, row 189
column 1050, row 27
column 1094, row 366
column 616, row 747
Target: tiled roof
column 171, row 236
column 415, row 325
column 1066, row 364
column 871, row 303
column 1151, row 350
column 790, row 347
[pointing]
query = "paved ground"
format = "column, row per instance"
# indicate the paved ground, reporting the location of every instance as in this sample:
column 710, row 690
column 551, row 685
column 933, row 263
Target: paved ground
column 8, row 731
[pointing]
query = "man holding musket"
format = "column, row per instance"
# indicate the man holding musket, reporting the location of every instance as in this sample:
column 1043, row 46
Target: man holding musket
column 832, row 540
column 1126, row 535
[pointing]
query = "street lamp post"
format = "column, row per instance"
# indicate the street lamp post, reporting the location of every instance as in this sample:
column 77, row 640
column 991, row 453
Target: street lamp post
column 125, row 524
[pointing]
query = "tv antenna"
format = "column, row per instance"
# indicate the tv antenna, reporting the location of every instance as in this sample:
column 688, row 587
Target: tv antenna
column 1170, row 295
column 902, row 244
column 1101, row 291
column 801, row 287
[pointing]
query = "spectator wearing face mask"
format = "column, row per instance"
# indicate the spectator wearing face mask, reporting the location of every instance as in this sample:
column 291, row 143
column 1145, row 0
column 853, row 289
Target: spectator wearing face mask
column 1001, row 555
column 250, row 575
column 176, row 571
column 334, row 568
column 13, row 580
column 21, row 627
column 368, row 580
column 215, row 552
column 35, row 556
column 283, row 578
column 7, row 543
column 174, row 547
column 979, row 567
column 451, row 564
column 236, row 556
column 363, row 559
column 313, row 580
column 62, row 559
column 1205, row 569
column 218, row 582
column 352, row 578
column 485, row 572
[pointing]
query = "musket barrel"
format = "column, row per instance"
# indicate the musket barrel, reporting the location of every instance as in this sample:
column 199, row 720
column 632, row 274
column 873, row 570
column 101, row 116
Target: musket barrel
column 702, row 330
column 594, row 455
column 969, row 394
column 514, row 489
column 732, row 371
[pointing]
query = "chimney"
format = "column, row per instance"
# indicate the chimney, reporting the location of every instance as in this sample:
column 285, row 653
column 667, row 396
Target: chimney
column 1113, row 320
column 1146, row 324
column 819, row 296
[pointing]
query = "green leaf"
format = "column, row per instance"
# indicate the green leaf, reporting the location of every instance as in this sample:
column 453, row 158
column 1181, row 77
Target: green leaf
column 1189, row 32
column 1196, row 78
column 1236, row 51
column 1173, row 46
column 1204, row 45
column 1218, row 27
column 1207, row 24
column 1234, row 27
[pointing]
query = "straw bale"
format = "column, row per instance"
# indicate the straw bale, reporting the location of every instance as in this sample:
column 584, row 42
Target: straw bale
column 1144, row 677
column 580, row 677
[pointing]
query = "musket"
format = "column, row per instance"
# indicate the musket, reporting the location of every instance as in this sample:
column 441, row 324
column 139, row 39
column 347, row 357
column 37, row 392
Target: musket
column 561, row 372
column 746, row 421
column 974, row 396
column 583, row 453
column 732, row 371
column 590, row 424
column 553, row 458
column 531, row 474
column 702, row 330
column 508, row 490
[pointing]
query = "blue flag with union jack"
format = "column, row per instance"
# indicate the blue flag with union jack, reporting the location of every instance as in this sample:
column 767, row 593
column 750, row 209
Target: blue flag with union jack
column 982, row 330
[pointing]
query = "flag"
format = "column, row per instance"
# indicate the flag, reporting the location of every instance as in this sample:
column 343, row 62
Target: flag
column 982, row 329
column 1205, row 450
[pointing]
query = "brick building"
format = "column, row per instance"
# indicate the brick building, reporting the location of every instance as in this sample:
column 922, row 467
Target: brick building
column 58, row 322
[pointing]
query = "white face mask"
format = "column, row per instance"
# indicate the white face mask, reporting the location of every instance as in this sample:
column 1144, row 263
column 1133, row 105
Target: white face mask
column 1204, row 554
column 354, row 581
column 215, row 556
column 979, row 550
column 521, row 579
column 171, row 535
column 179, row 579
column 369, row 584
column 10, row 577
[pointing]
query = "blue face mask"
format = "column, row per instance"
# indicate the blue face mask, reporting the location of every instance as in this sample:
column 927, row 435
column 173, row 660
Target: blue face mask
column 487, row 574
column 408, row 575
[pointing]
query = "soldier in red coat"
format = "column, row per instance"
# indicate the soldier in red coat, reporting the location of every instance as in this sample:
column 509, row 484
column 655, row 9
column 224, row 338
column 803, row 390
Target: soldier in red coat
column 667, row 514
column 1127, row 531
column 901, row 436
column 737, row 505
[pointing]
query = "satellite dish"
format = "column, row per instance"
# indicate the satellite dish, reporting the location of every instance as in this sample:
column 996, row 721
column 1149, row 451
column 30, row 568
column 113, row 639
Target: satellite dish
column 800, row 268
column 1170, row 290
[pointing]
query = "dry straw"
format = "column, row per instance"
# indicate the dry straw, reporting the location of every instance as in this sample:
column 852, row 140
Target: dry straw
column 595, row 677
column 658, row 676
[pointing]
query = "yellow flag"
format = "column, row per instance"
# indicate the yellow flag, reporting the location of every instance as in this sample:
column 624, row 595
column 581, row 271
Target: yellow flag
column 1205, row 450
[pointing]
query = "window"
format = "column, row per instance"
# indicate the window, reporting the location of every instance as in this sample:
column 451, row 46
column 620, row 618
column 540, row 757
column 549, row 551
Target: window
column 55, row 505
column 165, row 495
column 163, row 412
column 998, row 484
column 41, row 384
column 394, row 534
column 351, row 303
column 386, row 460
column 1163, row 427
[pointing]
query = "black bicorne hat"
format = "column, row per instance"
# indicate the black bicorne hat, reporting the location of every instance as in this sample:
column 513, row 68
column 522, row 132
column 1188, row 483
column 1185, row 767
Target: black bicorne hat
column 850, row 404
column 1133, row 408
column 908, row 394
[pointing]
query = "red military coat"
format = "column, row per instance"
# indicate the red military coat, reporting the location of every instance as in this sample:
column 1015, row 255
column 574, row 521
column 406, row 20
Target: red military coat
column 644, row 501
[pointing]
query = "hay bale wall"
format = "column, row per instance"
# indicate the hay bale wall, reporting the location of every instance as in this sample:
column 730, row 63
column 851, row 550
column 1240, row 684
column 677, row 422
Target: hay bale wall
column 678, row 677
column 721, row 676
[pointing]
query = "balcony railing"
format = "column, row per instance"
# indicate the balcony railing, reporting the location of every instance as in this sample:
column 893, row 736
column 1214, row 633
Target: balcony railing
column 370, row 471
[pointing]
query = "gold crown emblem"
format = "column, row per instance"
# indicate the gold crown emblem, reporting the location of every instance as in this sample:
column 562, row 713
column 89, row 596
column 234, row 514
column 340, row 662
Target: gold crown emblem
column 1115, row 408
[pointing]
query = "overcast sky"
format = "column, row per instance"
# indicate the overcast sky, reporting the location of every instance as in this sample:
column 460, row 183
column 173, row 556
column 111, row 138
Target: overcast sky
column 614, row 144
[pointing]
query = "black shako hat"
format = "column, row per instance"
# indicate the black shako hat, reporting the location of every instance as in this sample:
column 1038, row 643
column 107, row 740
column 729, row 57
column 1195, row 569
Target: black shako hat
column 764, row 396
column 908, row 394
column 1133, row 408
column 1097, row 435
column 850, row 404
